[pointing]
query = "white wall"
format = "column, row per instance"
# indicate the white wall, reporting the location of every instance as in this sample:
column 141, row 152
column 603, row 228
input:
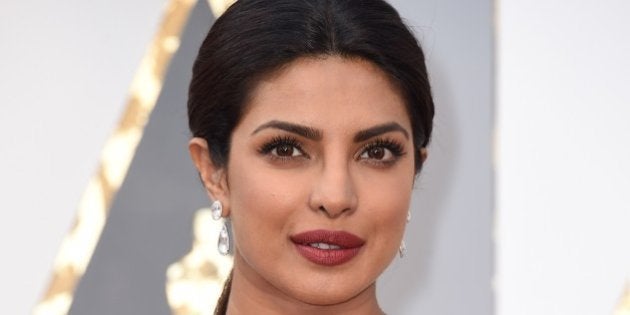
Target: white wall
column 65, row 67
column 563, row 152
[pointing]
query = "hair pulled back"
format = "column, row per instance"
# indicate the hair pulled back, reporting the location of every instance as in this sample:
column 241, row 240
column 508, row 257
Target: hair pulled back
column 254, row 38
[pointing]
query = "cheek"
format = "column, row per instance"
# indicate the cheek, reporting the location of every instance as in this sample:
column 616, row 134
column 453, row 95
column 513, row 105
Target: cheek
column 262, row 201
column 386, row 201
column 253, row 188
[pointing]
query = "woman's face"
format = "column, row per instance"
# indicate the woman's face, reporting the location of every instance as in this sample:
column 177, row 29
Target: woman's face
column 319, row 179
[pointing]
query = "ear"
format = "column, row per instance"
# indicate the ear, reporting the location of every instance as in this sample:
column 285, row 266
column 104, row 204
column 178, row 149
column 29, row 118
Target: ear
column 424, row 154
column 214, row 177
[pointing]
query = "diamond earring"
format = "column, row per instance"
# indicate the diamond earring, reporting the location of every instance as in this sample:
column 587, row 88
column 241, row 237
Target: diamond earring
column 402, row 250
column 217, row 210
column 223, row 245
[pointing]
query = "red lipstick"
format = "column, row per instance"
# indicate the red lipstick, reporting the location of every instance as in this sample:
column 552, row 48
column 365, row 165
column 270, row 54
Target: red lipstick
column 327, row 248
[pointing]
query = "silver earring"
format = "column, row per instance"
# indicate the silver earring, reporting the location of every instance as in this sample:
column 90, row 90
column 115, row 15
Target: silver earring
column 408, row 216
column 223, row 245
column 402, row 250
column 217, row 210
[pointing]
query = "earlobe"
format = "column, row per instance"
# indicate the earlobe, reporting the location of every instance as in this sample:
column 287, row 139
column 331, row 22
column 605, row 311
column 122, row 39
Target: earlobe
column 213, row 176
column 424, row 154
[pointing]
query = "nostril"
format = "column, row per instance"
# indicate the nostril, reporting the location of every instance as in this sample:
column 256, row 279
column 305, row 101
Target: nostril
column 332, row 212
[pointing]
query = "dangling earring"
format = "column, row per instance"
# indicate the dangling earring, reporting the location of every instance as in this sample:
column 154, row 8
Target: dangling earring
column 217, row 210
column 402, row 250
column 223, row 245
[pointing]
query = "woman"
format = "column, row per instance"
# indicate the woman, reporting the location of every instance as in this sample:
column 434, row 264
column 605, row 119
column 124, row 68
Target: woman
column 310, row 120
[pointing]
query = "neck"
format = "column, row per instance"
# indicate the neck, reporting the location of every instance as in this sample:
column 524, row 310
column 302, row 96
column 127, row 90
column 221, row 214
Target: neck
column 251, row 294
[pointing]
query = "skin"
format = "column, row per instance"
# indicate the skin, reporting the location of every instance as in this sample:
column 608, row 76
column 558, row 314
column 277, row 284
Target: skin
column 328, row 181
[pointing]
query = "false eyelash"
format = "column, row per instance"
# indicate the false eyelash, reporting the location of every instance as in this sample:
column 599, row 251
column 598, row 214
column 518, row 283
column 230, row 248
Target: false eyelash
column 395, row 147
column 278, row 141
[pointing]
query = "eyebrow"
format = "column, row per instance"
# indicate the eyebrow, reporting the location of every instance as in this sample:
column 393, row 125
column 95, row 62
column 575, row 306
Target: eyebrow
column 304, row 131
column 316, row 134
column 379, row 130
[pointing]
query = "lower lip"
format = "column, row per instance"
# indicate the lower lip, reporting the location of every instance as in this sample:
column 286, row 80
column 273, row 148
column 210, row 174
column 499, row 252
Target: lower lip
column 327, row 257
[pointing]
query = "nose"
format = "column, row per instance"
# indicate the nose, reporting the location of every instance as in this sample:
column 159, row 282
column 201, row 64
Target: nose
column 333, row 190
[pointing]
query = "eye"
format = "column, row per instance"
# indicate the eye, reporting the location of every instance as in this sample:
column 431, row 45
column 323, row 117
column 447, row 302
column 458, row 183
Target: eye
column 283, row 148
column 377, row 153
column 382, row 151
column 286, row 150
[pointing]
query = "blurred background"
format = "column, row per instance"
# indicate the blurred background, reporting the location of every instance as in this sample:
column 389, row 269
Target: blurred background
column 524, row 207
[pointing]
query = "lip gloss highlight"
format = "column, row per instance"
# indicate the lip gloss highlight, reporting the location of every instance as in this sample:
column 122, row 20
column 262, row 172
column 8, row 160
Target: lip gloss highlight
column 340, row 247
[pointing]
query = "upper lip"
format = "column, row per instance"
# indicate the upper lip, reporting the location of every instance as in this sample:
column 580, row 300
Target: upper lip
column 340, row 238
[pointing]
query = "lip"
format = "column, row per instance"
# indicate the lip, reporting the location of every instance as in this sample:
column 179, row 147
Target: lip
column 349, row 244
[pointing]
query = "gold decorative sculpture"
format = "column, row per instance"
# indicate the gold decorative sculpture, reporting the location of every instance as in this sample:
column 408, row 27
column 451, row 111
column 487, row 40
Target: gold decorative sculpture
column 78, row 246
column 219, row 6
column 192, row 274
column 624, row 305
column 195, row 282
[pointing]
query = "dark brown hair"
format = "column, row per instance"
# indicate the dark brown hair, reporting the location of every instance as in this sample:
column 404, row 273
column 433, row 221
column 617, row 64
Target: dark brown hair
column 254, row 38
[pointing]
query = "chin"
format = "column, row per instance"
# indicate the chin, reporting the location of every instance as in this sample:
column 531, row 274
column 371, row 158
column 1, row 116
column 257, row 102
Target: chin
column 326, row 295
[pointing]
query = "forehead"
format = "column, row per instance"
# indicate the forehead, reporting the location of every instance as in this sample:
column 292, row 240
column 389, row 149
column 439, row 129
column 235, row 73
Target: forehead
column 327, row 92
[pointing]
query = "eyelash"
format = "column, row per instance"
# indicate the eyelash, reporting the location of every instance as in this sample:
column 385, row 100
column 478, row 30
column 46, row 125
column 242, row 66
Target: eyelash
column 276, row 142
column 393, row 146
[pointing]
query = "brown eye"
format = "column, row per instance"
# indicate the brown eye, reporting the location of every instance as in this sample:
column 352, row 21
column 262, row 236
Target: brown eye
column 285, row 150
column 376, row 153
column 381, row 152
